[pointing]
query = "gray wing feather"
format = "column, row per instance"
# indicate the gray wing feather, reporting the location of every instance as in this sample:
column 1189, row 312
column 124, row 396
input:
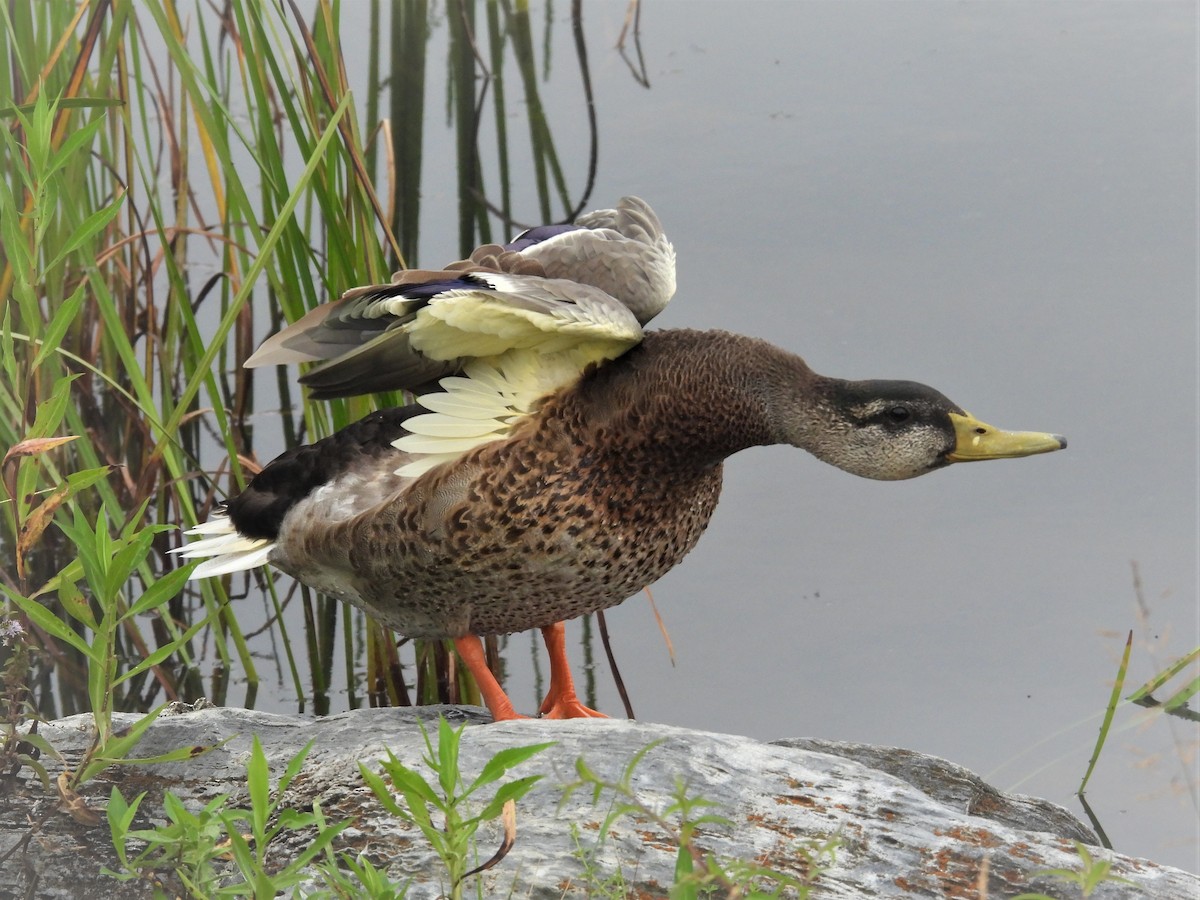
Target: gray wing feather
column 386, row 362
column 621, row 252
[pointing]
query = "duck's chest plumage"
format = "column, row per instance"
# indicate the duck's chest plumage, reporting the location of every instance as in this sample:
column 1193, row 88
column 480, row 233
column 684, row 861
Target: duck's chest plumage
column 585, row 505
column 514, row 556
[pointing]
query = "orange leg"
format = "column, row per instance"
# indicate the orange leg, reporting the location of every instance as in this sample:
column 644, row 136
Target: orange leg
column 561, row 701
column 470, row 649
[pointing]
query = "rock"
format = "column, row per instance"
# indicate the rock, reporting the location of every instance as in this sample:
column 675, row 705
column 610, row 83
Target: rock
column 906, row 825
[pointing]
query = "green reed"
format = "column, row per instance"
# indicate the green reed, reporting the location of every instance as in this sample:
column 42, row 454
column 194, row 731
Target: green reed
column 173, row 186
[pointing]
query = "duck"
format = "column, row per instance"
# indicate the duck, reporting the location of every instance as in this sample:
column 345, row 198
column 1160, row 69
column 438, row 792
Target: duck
column 558, row 457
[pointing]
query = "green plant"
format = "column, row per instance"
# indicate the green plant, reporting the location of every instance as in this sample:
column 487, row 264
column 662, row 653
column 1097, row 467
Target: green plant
column 190, row 845
column 19, row 749
column 186, row 848
column 267, row 819
column 610, row 885
column 355, row 877
column 1176, row 705
column 106, row 562
column 84, row 610
column 349, row 877
column 697, row 872
column 1092, row 873
column 454, row 839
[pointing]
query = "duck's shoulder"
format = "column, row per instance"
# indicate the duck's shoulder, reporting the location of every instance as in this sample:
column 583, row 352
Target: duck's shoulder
column 669, row 353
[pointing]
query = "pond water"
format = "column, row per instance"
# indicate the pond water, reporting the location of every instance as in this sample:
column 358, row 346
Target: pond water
column 998, row 200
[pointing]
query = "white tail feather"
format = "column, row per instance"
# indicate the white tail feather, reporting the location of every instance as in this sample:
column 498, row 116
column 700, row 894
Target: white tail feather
column 237, row 562
column 224, row 550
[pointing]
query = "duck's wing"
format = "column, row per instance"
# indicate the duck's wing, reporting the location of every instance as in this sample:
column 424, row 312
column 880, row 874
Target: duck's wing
column 366, row 334
column 349, row 324
column 409, row 334
column 622, row 251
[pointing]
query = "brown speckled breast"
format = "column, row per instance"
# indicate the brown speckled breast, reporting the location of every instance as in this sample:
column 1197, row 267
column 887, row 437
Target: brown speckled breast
column 521, row 550
column 595, row 497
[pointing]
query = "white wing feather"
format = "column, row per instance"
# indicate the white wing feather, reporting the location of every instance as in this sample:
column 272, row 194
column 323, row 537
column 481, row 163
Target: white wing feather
column 528, row 337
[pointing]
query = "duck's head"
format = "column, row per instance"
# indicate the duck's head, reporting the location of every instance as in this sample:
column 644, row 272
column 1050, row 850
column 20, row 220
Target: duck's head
column 892, row 430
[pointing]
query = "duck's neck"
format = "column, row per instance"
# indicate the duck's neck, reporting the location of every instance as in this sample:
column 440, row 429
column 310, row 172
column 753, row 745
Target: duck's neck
column 694, row 398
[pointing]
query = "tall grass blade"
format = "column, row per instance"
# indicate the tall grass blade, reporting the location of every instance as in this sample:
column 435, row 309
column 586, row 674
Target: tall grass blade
column 1105, row 725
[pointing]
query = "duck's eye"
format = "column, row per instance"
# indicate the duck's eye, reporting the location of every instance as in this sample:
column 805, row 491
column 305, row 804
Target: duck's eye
column 899, row 414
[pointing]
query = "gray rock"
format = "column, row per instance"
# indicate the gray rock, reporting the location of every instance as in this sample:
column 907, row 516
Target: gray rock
column 907, row 825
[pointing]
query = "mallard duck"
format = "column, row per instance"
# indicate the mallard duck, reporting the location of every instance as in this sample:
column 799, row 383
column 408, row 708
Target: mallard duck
column 565, row 460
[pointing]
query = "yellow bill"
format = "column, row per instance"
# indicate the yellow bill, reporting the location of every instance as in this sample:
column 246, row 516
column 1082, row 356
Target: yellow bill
column 977, row 440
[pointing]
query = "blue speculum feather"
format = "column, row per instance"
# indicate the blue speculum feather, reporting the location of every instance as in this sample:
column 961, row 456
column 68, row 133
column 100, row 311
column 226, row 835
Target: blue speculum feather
column 527, row 239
